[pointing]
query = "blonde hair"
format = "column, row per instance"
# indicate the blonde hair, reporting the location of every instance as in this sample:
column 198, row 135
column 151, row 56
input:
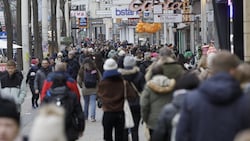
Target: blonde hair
column 243, row 136
column 243, row 73
column 49, row 125
column 223, row 61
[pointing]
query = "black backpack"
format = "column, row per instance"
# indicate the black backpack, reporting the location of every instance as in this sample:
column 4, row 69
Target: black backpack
column 90, row 78
column 62, row 96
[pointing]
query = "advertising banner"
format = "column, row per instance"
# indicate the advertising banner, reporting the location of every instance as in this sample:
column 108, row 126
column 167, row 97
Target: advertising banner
column 123, row 12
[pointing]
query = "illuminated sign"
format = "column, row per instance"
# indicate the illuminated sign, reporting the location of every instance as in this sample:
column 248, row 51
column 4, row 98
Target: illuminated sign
column 123, row 12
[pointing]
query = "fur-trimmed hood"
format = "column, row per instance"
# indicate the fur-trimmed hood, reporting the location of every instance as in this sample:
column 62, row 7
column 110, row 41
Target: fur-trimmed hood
column 129, row 71
column 161, row 84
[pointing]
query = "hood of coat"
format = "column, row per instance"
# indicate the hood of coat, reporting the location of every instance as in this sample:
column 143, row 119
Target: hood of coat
column 221, row 89
column 129, row 71
column 161, row 84
column 179, row 96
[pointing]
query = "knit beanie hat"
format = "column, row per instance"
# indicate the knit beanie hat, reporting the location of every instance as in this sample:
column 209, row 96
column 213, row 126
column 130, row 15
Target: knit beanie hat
column 33, row 61
column 129, row 61
column 9, row 110
column 110, row 64
column 112, row 53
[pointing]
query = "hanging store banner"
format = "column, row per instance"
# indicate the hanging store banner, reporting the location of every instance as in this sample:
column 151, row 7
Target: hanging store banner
column 168, row 18
column 123, row 12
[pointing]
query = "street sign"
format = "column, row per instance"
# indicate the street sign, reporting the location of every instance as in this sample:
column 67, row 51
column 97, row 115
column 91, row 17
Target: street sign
column 168, row 18
column 148, row 16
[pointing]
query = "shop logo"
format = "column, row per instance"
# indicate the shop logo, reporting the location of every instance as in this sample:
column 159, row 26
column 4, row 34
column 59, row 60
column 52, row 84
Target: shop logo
column 125, row 12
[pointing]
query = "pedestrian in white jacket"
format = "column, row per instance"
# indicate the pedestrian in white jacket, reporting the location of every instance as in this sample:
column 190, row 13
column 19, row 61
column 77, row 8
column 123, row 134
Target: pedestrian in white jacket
column 13, row 85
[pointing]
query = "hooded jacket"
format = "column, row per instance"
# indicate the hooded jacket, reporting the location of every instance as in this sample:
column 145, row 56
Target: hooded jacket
column 136, row 78
column 216, row 111
column 157, row 93
column 163, row 129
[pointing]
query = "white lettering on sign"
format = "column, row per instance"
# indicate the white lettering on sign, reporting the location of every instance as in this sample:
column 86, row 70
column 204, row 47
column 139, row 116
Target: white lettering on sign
column 78, row 14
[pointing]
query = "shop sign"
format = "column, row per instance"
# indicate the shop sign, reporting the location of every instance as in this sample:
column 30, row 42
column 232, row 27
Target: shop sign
column 123, row 12
column 78, row 14
column 168, row 18
column 166, row 5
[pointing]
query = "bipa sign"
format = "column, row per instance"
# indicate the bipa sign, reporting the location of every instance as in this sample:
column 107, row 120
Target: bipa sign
column 123, row 12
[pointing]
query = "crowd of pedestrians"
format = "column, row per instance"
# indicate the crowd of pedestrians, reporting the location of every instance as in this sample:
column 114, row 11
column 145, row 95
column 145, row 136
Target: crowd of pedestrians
column 178, row 97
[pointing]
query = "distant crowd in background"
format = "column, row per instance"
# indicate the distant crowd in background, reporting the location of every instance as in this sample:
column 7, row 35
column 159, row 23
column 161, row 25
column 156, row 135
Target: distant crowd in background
column 177, row 96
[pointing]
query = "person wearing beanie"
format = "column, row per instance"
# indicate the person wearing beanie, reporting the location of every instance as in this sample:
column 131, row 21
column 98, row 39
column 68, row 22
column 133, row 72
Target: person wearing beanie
column 30, row 80
column 49, row 125
column 111, row 93
column 13, row 85
column 9, row 120
column 132, row 74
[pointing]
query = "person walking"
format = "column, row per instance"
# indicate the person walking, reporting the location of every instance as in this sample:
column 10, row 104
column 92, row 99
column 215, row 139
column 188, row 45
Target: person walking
column 30, row 79
column 157, row 92
column 13, row 85
column 218, row 109
column 88, row 79
column 110, row 91
column 41, row 75
column 136, row 79
column 9, row 120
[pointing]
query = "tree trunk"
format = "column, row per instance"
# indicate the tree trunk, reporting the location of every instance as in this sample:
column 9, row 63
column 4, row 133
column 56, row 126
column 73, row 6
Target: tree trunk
column 62, row 7
column 19, row 34
column 37, row 37
column 53, row 26
column 9, row 28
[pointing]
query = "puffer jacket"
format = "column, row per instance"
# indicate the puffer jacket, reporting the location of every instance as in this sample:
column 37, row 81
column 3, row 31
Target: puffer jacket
column 171, row 68
column 14, row 87
column 164, row 126
column 157, row 93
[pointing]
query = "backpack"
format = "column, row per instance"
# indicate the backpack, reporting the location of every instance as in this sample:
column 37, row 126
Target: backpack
column 90, row 78
column 63, row 97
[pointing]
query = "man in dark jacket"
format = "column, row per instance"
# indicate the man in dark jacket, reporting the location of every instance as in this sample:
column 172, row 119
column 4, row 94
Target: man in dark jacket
column 218, row 109
column 72, row 65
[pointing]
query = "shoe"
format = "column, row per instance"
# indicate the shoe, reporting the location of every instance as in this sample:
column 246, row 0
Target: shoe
column 34, row 107
column 93, row 120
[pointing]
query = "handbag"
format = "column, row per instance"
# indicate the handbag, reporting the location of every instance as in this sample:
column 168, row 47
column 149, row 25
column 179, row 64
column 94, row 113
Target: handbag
column 129, row 121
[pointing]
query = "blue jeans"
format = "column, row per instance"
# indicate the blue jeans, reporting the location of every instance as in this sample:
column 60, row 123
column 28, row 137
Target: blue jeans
column 89, row 100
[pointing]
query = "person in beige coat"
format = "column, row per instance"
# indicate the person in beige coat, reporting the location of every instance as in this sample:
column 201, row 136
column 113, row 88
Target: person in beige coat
column 88, row 78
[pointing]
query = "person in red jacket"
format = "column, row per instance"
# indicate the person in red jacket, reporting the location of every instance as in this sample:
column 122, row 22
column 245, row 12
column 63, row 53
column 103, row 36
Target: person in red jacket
column 60, row 71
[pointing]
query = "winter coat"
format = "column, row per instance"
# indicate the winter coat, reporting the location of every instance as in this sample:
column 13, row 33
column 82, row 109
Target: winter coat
column 31, row 75
column 13, row 87
column 216, row 111
column 80, row 80
column 111, row 93
column 70, row 82
column 155, row 95
column 136, row 78
column 163, row 129
column 41, row 75
column 171, row 68
column 72, row 67
column 144, row 65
